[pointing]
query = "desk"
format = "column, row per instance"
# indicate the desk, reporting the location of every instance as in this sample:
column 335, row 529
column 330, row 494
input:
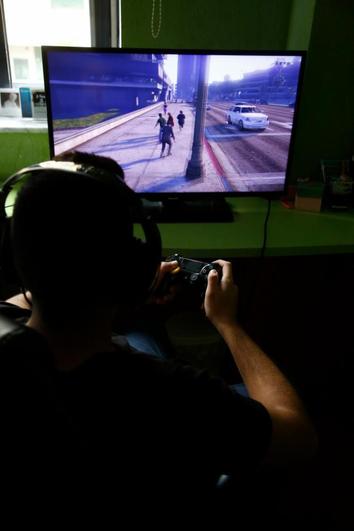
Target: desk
column 290, row 233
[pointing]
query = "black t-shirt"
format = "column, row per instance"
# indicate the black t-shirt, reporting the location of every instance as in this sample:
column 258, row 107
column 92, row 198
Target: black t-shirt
column 150, row 427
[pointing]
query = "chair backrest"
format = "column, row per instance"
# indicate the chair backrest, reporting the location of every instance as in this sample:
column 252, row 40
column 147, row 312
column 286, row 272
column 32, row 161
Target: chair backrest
column 25, row 370
column 37, row 435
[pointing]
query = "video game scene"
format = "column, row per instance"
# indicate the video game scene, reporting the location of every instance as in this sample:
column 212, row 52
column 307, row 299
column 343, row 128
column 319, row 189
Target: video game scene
column 178, row 122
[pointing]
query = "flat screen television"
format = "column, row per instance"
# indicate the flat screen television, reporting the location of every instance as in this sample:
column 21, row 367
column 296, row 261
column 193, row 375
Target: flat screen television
column 232, row 116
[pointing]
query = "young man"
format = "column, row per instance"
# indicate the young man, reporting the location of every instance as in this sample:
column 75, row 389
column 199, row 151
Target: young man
column 181, row 119
column 150, row 430
column 161, row 121
column 166, row 138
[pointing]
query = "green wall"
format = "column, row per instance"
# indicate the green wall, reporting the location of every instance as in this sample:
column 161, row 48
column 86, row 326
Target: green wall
column 225, row 24
column 20, row 149
column 326, row 120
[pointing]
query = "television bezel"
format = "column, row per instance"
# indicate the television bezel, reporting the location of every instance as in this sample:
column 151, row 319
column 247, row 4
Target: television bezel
column 160, row 196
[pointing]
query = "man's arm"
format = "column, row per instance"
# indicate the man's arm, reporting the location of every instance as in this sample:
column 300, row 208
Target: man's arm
column 293, row 435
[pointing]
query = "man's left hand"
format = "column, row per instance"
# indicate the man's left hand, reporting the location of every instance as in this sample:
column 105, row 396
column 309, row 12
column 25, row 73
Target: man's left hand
column 164, row 296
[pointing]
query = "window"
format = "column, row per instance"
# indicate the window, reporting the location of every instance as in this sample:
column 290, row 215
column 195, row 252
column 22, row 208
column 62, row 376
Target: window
column 30, row 25
column 21, row 67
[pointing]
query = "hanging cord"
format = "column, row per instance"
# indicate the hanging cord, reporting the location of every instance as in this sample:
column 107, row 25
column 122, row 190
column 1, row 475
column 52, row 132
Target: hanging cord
column 156, row 33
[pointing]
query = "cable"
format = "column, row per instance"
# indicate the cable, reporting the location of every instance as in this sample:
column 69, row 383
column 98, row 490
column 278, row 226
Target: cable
column 265, row 229
column 259, row 266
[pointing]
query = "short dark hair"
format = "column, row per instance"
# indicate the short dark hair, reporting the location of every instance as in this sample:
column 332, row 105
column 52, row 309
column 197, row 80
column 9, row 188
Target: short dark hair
column 70, row 234
column 90, row 159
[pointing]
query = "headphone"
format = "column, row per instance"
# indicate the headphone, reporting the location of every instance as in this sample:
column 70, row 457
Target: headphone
column 145, row 253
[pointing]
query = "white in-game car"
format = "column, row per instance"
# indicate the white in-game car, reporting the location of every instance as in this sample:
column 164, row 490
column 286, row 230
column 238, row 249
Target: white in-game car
column 247, row 116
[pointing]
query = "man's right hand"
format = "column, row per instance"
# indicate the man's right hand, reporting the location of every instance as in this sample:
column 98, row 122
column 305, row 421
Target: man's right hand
column 220, row 302
column 293, row 435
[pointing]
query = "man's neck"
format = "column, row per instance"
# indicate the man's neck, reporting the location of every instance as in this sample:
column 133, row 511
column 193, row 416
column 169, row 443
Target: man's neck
column 74, row 343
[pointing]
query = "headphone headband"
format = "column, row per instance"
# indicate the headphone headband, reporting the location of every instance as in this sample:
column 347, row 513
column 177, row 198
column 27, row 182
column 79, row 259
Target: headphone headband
column 64, row 166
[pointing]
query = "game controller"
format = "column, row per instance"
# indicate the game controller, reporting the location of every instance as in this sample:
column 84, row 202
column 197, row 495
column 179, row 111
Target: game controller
column 190, row 272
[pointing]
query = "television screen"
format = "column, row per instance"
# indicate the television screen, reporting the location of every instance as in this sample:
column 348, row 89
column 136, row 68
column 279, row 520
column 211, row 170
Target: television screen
column 178, row 122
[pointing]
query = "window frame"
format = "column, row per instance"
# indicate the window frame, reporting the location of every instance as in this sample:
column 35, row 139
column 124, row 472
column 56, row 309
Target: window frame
column 102, row 28
column 105, row 29
column 5, row 70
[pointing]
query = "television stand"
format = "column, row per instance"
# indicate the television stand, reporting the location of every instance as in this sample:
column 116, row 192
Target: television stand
column 177, row 210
